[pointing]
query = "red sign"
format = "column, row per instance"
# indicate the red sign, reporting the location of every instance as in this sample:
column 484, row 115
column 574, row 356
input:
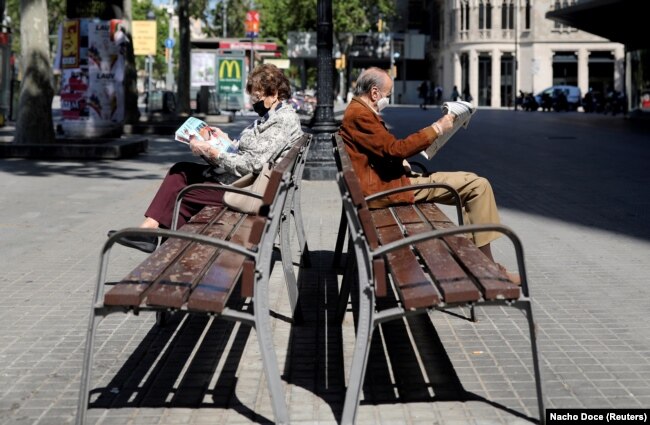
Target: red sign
column 246, row 45
column 4, row 38
column 252, row 23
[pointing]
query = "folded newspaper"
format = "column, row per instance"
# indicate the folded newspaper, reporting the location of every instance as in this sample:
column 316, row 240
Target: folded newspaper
column 463, row 112
column 194, row 126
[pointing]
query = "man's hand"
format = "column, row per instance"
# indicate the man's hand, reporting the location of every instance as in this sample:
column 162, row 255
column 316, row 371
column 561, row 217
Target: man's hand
column 444, row 124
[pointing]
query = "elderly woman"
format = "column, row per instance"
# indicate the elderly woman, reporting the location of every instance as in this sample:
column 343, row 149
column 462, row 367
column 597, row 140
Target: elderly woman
column 258, row 143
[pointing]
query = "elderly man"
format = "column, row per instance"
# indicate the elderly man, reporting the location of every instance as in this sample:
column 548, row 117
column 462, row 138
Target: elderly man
column 378, row 158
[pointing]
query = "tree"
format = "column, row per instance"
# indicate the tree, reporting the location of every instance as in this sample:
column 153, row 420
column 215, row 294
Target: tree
column 55, row 11
column 34, row 123
column 278, row 17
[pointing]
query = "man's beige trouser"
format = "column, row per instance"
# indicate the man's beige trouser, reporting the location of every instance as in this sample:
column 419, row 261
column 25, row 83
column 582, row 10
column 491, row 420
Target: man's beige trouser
column 477, row 198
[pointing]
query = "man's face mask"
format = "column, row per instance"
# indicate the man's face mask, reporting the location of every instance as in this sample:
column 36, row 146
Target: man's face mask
column 382, row 103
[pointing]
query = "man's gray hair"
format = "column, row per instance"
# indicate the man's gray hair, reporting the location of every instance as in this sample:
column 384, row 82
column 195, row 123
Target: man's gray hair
column 369, row 78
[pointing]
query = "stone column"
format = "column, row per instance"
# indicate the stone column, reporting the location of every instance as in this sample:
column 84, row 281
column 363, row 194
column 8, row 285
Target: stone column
column 320, row 163
column 496, row 78
column 583, row 70
column 473, row 75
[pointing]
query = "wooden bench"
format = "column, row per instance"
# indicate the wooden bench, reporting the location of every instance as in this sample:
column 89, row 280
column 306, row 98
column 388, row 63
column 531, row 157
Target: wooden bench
column 198, row 267
column 417, row 253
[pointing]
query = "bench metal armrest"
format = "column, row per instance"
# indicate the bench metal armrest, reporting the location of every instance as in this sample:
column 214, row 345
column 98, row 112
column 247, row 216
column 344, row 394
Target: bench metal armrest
column 209, row 186
column 454, row 193
column 471, row 228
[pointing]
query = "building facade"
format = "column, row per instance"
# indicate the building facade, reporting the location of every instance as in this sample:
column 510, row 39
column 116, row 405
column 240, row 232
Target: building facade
column 492, row 49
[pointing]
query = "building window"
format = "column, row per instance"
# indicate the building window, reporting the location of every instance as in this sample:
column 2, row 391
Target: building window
column 452, row 27
column 508, row 15
column 559, row 5
column 527, row 16
column 464, row 16
column 484, row 15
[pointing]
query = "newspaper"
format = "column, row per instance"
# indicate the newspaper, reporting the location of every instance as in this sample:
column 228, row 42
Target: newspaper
column 203, row 132
column 463, row 112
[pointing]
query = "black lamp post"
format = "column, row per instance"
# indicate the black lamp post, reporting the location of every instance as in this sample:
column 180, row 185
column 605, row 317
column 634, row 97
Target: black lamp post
column 320, row 163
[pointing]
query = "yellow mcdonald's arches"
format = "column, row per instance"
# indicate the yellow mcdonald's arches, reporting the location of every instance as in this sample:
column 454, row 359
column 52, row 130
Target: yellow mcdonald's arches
column 232, row 66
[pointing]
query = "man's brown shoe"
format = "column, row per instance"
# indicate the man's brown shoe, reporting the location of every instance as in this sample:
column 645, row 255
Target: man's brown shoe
column 513, row 277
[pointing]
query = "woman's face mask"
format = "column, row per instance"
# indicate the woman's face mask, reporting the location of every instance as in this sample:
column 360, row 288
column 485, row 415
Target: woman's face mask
column 260, row 108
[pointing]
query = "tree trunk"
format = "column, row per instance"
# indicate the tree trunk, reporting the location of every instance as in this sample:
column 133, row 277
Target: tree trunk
column 183, row 106
column 131, row 111
column 2, row 10
column 34, row 123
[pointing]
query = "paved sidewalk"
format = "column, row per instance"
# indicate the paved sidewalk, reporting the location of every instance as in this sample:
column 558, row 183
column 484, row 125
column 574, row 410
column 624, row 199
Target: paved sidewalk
column 573, row 186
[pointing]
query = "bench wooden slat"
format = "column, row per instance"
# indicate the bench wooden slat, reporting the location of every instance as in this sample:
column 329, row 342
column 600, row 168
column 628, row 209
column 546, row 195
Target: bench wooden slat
column 415, row 289
column 212, row 292
column 131, row 290
column 492, row 281
column 173, row 286
column 452, row 280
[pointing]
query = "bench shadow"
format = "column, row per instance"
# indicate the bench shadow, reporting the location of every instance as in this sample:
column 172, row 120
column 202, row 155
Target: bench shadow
column 169, row 369
column 315, row 360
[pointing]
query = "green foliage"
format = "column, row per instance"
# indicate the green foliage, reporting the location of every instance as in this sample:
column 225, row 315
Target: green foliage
column 55, row 10
column 278, row 17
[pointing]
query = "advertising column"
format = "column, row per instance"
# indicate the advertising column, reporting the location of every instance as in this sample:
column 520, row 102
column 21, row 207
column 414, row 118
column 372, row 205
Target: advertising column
column 92, row 93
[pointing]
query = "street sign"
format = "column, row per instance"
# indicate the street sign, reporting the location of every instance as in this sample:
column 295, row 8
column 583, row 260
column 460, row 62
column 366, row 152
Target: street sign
column 169, row 43
column 144, row 37
column 252, row 24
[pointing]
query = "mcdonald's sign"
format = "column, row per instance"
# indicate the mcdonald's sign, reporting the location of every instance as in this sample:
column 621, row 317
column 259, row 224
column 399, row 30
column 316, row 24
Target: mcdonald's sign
column 230, row 69
column 231, row 76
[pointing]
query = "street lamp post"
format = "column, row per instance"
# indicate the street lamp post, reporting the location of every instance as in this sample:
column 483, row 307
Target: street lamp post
column 320, row 163
column 516, row 64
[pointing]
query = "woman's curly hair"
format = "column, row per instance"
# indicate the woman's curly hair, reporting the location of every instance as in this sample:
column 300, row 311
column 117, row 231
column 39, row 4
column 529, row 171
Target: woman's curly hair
column 268, row 78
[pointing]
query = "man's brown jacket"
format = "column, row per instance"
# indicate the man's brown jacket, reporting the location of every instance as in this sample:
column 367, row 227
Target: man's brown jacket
column 377, row 155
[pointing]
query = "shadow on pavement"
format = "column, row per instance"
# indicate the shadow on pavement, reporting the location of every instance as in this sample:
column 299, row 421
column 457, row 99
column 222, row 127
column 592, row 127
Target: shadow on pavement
column 316, row 363
column 587, row 169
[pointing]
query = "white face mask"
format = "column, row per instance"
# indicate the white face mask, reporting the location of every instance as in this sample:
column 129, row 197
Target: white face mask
column 382, row 103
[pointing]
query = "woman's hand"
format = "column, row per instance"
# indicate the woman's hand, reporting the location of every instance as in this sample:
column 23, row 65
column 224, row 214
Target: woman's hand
column 218, row 133
column 200, row 147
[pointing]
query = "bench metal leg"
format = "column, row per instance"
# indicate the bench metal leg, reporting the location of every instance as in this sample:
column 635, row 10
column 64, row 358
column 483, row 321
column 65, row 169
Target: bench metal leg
column 528, row 310
column 287, row 263
column 346, row 282
column 269, row 359
column 340, row 239
column 296, row 211
column 86, row 370
column 365, row 328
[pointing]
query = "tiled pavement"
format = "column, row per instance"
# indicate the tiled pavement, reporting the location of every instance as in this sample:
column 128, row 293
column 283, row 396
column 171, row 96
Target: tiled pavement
column 573, row 186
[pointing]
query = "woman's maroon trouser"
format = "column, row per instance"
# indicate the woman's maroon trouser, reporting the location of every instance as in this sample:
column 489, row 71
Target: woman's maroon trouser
column 182, row 174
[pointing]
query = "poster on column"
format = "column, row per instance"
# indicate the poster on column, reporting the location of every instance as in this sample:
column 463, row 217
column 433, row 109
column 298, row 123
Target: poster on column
column 74, row 85
column 106, row 71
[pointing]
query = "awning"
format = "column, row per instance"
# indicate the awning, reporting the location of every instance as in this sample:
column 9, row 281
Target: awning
column 621, row 21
